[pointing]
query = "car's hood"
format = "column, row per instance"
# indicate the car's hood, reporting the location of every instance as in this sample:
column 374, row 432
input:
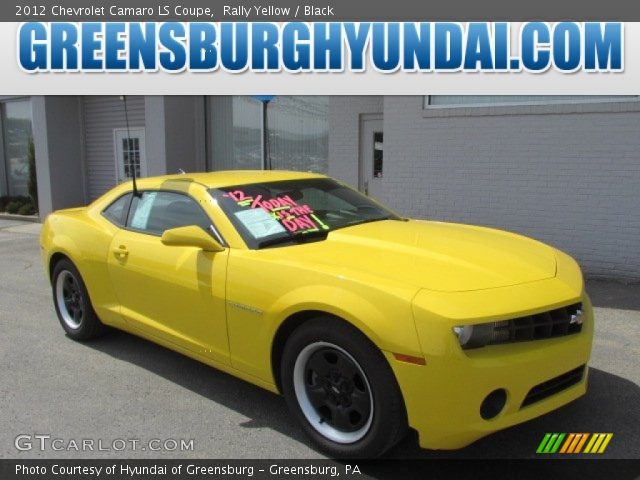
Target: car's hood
column 432, row 255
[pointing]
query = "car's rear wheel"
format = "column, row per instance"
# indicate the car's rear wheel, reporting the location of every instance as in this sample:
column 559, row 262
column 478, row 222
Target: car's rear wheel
column 342, row 390
column 72, row 303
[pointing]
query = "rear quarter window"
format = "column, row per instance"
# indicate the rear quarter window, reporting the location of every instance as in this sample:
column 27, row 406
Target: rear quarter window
column 116, row 213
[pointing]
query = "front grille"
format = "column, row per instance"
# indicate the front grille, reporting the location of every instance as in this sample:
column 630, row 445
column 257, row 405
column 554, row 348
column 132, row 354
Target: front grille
column 554, row 323
column 553, row 386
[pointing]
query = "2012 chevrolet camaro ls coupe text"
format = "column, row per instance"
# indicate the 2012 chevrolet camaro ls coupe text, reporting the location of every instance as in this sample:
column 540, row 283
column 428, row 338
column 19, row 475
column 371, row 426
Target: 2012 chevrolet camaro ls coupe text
column 366, row 322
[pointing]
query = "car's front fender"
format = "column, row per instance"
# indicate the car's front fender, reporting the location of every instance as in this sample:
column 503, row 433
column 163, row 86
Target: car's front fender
column 388, row 322
column 259, row 302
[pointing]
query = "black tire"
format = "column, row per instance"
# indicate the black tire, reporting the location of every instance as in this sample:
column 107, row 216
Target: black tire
column 72, row 303
column 336, row 429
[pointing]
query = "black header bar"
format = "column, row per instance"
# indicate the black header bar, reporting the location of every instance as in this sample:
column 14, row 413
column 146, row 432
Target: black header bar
column 313, row 469
column 328, row 10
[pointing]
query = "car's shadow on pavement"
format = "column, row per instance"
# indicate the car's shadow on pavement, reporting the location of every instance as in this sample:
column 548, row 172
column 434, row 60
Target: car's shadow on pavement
column 612, row 404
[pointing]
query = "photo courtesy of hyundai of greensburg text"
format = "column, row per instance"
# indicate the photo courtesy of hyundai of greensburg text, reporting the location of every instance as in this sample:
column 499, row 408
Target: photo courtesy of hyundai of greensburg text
column 306, row 241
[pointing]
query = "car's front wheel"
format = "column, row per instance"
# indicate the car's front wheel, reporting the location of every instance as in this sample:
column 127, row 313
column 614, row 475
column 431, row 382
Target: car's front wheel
column 342, row 390
column 72, row 303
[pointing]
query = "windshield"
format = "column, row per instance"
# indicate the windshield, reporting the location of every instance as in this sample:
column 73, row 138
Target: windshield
column 295, row 211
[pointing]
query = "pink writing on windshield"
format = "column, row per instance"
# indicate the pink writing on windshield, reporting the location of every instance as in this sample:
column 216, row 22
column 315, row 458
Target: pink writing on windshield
column 293, row 216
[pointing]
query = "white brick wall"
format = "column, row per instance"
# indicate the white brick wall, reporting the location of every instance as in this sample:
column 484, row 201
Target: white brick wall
column 344, row 127
column 569, row 179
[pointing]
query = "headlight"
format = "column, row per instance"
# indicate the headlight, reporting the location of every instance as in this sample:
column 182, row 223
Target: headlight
column 552, row 323
column 474, row 336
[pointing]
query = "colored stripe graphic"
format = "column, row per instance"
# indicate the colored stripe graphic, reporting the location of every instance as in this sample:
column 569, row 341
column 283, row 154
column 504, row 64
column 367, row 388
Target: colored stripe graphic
column 581, row 443
column 556, row 445
column 605, row 443
column 543, row 443
column 573, row 443
column 598, row 443
column 591, row 442
column 567, row 443
column 550, row 443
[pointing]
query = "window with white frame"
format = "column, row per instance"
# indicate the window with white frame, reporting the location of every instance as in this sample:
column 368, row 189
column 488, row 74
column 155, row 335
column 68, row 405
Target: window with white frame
column 458, row 101
column 130, row 153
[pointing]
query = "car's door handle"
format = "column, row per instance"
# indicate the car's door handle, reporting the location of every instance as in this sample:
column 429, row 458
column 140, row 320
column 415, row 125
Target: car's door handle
column 121, row 252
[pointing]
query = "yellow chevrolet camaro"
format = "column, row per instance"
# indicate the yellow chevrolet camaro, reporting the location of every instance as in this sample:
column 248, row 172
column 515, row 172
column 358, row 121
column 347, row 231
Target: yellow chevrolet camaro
column 368, row 323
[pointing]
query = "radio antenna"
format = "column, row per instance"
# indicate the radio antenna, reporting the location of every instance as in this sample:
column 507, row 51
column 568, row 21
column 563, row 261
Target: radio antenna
column 132, row 163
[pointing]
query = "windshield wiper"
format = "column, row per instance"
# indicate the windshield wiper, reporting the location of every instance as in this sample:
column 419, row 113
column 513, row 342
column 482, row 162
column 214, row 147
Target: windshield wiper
column 295, row 238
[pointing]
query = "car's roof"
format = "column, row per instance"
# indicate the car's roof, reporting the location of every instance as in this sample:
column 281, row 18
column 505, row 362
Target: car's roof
column 226, row 178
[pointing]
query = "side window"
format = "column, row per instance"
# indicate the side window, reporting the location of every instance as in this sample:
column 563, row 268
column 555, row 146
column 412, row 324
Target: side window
column 155, row 212
column 117, row 211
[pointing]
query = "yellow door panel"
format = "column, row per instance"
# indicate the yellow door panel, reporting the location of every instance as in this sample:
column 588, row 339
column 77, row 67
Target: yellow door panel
column 176, row 293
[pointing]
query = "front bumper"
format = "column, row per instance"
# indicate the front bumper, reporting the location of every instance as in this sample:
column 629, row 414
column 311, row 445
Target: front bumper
column 443, row 397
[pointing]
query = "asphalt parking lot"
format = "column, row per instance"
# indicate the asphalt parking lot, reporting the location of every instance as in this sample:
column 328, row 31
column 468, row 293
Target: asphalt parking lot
column 122, row 387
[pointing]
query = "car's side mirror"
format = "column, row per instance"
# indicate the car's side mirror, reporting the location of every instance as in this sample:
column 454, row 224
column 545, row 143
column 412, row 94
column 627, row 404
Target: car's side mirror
column 191, row 236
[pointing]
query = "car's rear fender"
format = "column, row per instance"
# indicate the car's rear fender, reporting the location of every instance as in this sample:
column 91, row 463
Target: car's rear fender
column 86, row 244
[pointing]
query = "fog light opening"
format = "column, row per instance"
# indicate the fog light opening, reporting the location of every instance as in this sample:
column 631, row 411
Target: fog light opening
column 493, row 404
